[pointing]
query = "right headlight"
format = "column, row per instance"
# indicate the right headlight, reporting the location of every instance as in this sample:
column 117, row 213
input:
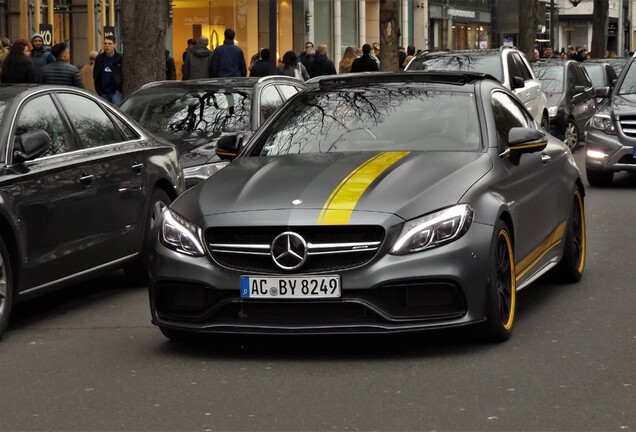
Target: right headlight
column 181, row 235
column 203, row 171
column 604, row 123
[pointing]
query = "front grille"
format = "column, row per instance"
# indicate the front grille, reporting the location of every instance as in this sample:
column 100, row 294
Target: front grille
column 628, row 125
column 330, row 248
column 627, row 160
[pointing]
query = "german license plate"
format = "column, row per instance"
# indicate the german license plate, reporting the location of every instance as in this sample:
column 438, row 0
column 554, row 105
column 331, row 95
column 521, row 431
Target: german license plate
column 270, row 287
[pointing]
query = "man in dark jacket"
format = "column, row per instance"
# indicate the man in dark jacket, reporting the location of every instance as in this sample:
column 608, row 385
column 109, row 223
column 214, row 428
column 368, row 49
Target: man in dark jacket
column 321, row 64
column 60, row 71
column 40, row 55
column 365, row 63
column 107, row 72
column 263, row 67
column 198, row 61
column 228, row 59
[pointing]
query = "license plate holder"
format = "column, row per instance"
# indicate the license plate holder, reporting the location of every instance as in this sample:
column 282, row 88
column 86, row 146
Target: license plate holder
column 290, row 287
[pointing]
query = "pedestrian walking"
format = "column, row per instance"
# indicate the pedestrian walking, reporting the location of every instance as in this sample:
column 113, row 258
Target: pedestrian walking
column 228, row 59
column 107, row 72
column 263, row 67
column 87, row 72
column 321, row 64
column 60, row 72
column 5, row 44
column 366, row 63
column 198, row 61
column 39, row 54
column 291, row 66
column 347, row 60
column 171, row 68
column 18, row 65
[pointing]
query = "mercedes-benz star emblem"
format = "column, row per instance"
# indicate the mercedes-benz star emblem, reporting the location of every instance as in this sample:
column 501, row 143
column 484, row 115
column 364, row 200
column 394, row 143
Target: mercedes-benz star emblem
column 289, row 250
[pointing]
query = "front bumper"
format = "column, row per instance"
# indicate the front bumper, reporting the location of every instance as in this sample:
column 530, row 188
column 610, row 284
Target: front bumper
column 441, row 287
column 618, row 155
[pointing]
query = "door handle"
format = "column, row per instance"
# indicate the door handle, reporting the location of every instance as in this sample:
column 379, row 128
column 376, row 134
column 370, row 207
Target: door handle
column 87, row 179
column 138, row 167
column 546, row 159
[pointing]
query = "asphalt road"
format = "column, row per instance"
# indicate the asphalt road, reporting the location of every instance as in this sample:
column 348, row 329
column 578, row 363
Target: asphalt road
column 87, row 358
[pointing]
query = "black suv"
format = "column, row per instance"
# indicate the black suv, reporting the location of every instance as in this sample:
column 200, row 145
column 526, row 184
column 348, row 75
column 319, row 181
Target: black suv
column 610, row 143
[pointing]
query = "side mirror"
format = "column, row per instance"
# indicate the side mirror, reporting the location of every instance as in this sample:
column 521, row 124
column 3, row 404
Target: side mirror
column 228, row 147
column 31, row 145
column 525, row 140
column 603, row 92
column 579, row 89
column 517, row 82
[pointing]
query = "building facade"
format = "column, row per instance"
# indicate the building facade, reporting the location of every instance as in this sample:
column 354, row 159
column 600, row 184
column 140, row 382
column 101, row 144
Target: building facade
column 427, row 24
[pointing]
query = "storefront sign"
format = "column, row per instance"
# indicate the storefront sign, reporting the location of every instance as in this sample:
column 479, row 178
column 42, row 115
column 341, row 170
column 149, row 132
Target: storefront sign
column 195, row 20
column 461, row 13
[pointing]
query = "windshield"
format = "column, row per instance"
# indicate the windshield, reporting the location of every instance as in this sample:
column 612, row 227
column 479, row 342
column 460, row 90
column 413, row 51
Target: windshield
column 551, row 78
column 489, row 64
column 375, row 119
column 177, row 111
column 628, row 86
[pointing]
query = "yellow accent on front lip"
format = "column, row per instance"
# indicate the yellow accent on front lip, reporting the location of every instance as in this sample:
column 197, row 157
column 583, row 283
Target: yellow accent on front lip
column 539, row 252
column 340, row 204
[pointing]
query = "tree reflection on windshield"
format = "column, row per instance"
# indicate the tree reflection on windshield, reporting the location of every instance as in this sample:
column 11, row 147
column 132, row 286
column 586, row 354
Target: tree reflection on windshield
column 398, row 118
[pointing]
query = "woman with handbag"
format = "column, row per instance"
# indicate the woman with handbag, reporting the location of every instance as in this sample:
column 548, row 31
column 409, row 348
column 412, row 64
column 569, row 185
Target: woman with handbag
column 290, row 66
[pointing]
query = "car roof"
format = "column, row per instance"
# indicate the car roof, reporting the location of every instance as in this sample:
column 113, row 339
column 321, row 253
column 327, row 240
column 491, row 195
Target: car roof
column 223, row 82
column 469, row 52
column 449, row 78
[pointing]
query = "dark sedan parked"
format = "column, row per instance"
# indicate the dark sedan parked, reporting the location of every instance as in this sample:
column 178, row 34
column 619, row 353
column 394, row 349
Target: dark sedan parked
column 357, row 208
column 603, row 78
column 80, row 188
column 195, row 114
column 571, row 98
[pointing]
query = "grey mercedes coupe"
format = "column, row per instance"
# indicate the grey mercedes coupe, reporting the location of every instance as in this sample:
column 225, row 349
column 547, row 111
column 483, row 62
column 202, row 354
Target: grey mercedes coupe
column 373, row 203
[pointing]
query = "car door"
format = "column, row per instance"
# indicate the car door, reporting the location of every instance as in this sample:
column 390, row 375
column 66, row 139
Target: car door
column 534, row 99
column 533, row 188
column 56, row 200
column 584, row 105
column 119, row 164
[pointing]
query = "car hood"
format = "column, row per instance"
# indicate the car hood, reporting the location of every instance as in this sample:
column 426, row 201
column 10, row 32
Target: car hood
column 196, row 148
column 624, row 104
column 337, row 188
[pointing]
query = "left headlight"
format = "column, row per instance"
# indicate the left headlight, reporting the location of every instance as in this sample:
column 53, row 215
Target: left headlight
column 433, row 230
column 181, row 235
column 603, row 122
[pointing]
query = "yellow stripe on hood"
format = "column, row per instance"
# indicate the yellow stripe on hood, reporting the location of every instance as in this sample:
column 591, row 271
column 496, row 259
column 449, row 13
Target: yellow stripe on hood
column 340, row 204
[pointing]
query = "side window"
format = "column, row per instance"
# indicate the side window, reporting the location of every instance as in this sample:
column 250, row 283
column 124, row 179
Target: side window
column 571, row 78
column 508, row 114
column 287, row 90
column 522, row 67
column 513, row 68
column 586, row 81
column 270, row 101
column 93, row 126
column 611, row 74
column 41, row 113
column 127, row 130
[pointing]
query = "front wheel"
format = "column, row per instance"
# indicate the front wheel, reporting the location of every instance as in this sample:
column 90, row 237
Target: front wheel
column 545, row 123
column 137, row 273
column 501, row 286
column 570, row 269
column 571, row 138
column 6, row 288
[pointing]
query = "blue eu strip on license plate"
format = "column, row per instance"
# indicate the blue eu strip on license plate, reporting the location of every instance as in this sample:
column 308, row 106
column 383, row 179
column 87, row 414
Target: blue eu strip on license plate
column 290, row 287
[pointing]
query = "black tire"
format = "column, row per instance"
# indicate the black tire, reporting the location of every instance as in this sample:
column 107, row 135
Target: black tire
column 599, row 178
column 501, row 286
column 545, row 123
column 6, row 288
column 137, row 273
column 571, row 137
column 571, row 267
